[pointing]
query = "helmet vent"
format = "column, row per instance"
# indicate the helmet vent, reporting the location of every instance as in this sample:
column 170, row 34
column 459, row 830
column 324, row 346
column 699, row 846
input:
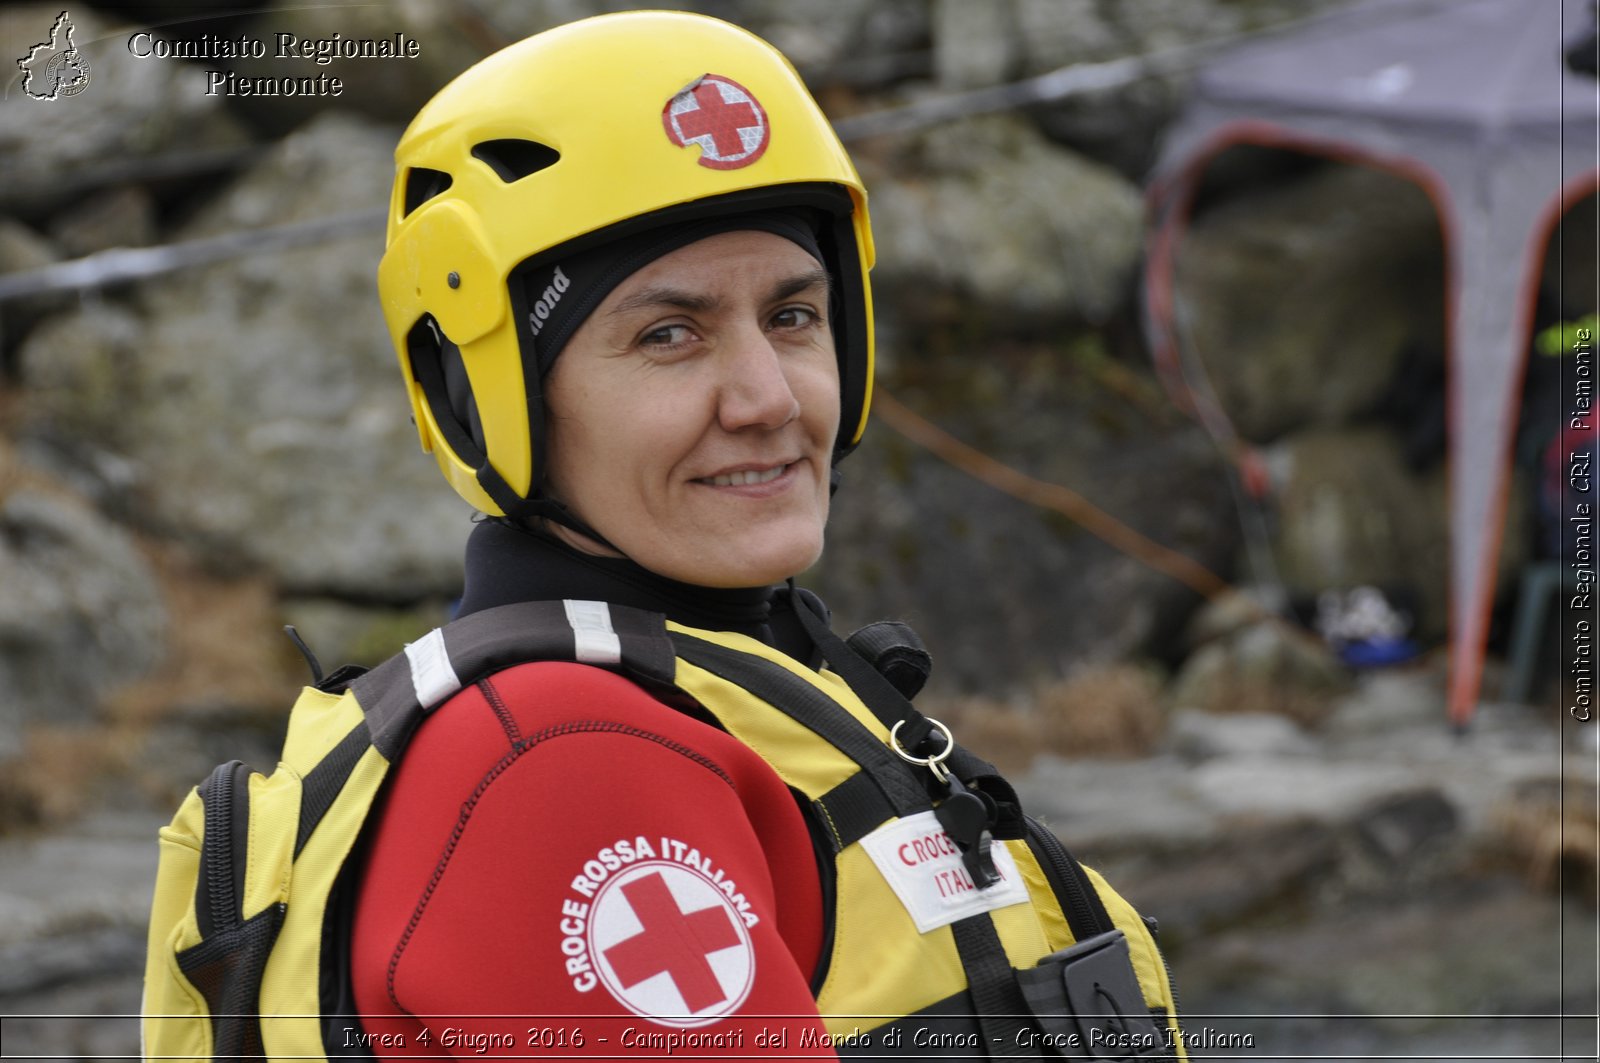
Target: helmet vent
column 513, row 160
column 422, row 185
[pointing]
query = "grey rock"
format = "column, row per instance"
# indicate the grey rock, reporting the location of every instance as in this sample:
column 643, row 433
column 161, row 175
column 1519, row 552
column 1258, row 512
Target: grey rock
column 132, row 107
column 1398, row 829
column 70, row 958
column 1248, row 872
column 340, row 632
column 1266, row 667
column 23, row 250
column 826, row 38
column 1301, row 301
column 1350, row 513
column 81, row 613
column 180, row 751
column 1382, row 701
column 93, row 876
column 852, row 41
column 1318, row 791
column 82, row 374
column 388, row 89
column 988, row 209
column 1205, row 735
column 260, row 397
column 73, row 909
column 1417, row 954
column 975, row 44
column 1228, row 613
column 1105, row 807
column 1006, row 594
column 1122, row 127
column 91, row 1017
column 121, row 217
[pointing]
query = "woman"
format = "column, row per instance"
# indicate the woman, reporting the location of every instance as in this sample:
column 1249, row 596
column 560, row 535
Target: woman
column 626, row 276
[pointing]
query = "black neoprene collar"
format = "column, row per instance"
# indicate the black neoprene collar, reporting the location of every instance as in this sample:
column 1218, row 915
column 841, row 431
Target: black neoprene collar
column 508, row 563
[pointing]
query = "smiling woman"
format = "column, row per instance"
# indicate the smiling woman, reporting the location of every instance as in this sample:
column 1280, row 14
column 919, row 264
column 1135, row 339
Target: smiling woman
column 644, row 788
column 693, row 415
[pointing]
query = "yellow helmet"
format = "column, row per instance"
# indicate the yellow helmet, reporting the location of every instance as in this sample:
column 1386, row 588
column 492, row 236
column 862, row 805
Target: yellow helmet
column 568, row 139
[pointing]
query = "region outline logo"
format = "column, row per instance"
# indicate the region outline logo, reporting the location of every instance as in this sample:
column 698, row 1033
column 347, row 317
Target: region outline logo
column 57, row 65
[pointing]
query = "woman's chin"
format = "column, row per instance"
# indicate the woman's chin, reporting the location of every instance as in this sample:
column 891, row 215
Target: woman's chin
column 726, row 565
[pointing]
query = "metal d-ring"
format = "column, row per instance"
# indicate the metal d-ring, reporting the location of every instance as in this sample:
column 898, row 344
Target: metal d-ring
column 933, row 763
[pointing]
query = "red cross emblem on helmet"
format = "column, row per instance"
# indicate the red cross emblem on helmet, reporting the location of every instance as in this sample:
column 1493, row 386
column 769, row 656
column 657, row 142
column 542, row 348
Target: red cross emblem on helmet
column 670, row 945
column 720, row 116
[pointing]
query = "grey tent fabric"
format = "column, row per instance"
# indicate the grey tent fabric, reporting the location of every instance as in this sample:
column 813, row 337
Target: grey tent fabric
column 1472, row 99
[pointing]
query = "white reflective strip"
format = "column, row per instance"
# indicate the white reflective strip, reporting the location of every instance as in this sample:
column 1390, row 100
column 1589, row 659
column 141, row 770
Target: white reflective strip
column 431, row 672
column 596, row 642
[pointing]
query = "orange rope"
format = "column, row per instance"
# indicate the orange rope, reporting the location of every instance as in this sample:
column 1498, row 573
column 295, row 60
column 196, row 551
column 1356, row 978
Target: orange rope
column 1063, row 500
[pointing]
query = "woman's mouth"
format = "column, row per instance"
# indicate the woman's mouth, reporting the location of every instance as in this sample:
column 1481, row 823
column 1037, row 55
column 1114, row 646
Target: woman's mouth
column 746, row 477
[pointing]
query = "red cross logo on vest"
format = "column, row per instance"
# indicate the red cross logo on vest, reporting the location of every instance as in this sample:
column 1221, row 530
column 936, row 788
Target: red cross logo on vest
column 670, row 946
column 722, row 118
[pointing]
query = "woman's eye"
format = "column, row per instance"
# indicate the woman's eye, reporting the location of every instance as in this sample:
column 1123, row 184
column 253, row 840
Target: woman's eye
column 665, row 336
column 791, row 317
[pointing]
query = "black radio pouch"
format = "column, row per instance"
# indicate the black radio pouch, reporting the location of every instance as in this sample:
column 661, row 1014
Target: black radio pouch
column 1087, row 999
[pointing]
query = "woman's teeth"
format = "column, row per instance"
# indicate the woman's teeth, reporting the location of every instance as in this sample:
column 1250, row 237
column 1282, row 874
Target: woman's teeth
column 739, row 479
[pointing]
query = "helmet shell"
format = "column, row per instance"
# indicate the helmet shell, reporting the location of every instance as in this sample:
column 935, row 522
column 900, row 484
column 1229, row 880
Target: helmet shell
column 597, row 93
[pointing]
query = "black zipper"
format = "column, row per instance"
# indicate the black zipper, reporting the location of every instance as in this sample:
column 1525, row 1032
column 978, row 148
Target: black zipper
column 1081, row 905
column 217, row 898
column 1172, row 984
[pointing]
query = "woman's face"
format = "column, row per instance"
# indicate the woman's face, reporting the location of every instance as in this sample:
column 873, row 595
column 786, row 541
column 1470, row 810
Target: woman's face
column 692, row 416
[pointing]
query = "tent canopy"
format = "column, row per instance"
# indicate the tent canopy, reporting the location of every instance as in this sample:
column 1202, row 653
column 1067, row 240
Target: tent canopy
column 1473, row 101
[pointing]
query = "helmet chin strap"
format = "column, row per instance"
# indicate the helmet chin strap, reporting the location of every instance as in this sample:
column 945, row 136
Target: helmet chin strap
column 528, row 511
column 557, row 512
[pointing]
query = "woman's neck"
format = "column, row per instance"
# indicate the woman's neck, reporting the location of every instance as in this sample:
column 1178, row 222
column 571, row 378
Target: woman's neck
column 509, row 563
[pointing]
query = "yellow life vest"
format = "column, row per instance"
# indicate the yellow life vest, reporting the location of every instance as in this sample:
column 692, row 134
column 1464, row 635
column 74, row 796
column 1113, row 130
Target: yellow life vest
column 248, row 952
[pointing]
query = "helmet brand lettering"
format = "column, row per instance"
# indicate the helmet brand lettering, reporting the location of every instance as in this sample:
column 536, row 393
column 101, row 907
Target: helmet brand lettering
column 540, row 312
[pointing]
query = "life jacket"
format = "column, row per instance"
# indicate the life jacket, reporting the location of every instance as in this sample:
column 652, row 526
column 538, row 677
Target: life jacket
column 248, row 942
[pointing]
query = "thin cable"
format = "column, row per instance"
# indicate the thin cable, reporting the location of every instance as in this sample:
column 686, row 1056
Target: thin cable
column 123, row 264
column 1216, row 423
column 1063, row 500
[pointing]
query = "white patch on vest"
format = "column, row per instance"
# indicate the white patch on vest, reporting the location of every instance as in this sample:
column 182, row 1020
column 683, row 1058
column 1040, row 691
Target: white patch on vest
column 663, row 929
column 923, row 866
column 432, row 674
column 596, row 642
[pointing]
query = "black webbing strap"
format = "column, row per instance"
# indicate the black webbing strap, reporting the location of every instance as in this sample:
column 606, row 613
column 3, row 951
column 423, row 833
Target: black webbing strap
column 815, row 711
column 891, row 707
column 397, row 694
column 996, row 998
column 885, row 786
column 323, row 782
column 852, row 810
column 877, row 693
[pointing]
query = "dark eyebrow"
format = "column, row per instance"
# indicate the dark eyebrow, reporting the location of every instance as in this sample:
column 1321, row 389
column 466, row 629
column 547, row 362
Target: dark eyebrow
column 800, row 282
column 662, row 295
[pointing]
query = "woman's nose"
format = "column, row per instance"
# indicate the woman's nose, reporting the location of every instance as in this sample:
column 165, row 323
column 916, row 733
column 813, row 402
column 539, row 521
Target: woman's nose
column 755, row 390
